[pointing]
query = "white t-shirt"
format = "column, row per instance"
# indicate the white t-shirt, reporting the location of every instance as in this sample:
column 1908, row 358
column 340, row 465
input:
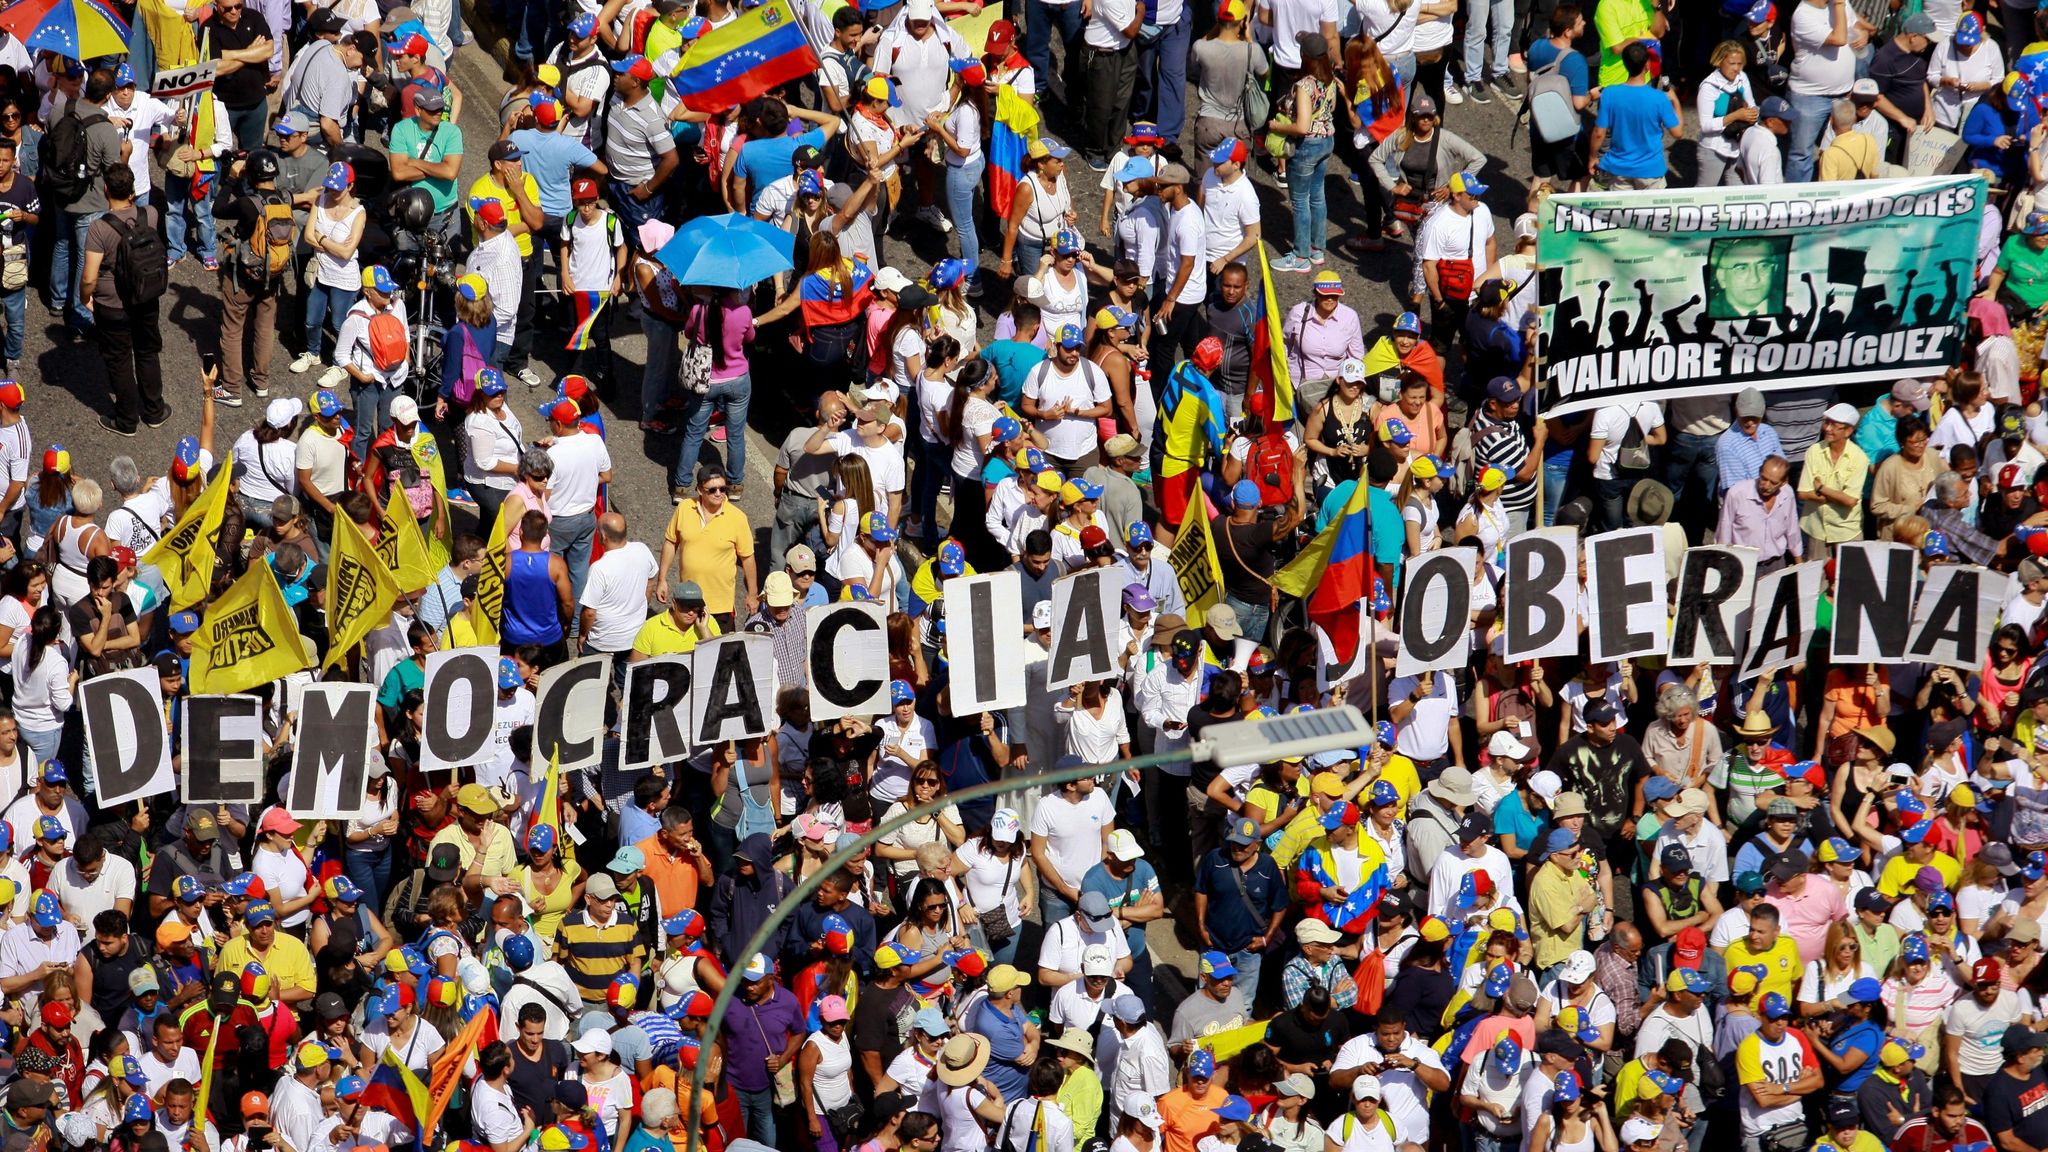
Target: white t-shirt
column 591, row 262
column 885, row 462
column 1228, row 212
column 1072, row 832
column 1072, row 435
column 1395, row 31
column 1450, row 236
column 977, row 419
column 1184, row 238
column 268, row 470
column 145, row 117
column 83, row 901
column 616, row 594
column 1956, row 428
column 1758, row 159
column 1986, row 65
column 1066, row 939
column 1293, row 17
column 579, row 460
column 989, row 878
column 1610, row 424
column 284, row 876
column 892, row 772
column 1106, row 24
column 1095, row 739
column 1981, row 1030
column 1819, row 69
column 16, row 448
column 493, row 1114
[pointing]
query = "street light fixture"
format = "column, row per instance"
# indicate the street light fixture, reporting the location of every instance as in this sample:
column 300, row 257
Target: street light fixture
column 1284, row 737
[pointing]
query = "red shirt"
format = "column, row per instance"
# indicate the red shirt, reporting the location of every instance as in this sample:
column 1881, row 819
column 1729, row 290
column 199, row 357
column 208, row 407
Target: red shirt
column 1919, row 1135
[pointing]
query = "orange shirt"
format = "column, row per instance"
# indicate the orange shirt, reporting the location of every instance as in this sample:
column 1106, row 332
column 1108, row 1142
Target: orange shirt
column 1187, row 1117
column 1855, row 702
column 674, row 877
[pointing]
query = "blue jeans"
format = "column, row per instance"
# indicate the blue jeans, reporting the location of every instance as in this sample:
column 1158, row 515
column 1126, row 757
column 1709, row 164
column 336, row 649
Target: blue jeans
column 67, row 269
column 1403, row 66
column 757, row 1114
column 633, row 213
column 1253, row 618
column 181, row 212
column 1052, row 907
column 1557, row 474
column 1026, row 255
column 248, row 124
column 372, row 873
column 1161, row 92
column 43, row 743
column 1809, row 117
column 372, row 412
column 569, row 537
column 731, row 395
column 1478, row 36
column 961, row 185
column 934, row 464
column 1306, row 170
column 1039, row 20
column 1248, row 963
column 323, row 301
column 15, row 305
column 660, row 372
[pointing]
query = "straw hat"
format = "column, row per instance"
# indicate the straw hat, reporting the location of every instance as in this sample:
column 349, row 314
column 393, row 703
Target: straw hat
column 962, row 1059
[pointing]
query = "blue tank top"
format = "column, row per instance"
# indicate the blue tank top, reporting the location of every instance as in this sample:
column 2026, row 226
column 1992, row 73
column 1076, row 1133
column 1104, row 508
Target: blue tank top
column 530, row 610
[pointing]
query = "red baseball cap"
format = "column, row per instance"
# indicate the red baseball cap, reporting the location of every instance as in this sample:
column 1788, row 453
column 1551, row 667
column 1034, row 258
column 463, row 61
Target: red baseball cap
column 413, row 45
column 583, row 190
column 12, row 394
column 1986, row 971
column 574, row 387
column 546, row 113
column 564, row 412
column 1001, row 36
column 1687, row 948
column 491, row 212
column 57, row 1014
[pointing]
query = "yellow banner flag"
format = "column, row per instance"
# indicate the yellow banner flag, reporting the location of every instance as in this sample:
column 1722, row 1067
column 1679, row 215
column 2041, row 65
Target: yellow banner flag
column 1195, row 563
column 549, row 812
column 1229, row 1042
column 360, row 589
column 248, row 637
column 490, row 584
column 185, row 557
column 170, row 35
column 403, row 547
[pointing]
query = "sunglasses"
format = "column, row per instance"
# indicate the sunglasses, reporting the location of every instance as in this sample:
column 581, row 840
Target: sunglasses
column 718, row 491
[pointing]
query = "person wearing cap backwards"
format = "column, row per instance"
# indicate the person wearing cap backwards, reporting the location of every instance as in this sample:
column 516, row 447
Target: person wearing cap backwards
column 426, row 150
column 498, row 260
column 372, row 384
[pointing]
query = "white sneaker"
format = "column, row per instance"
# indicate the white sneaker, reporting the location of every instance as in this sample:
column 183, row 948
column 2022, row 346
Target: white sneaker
column 304, row 364
column 1452, row 95
column 531, row 377
column 333, row 377
column 935, row 218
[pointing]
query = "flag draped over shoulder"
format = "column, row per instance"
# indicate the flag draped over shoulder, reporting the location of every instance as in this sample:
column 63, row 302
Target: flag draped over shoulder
column 248, row 637
column 1010, row 136
column 396, row 1090
column 1333, row 573
column 185, row 556
column 762, row 49
column 360, row 589
column 403, row 547
column 1270, row 392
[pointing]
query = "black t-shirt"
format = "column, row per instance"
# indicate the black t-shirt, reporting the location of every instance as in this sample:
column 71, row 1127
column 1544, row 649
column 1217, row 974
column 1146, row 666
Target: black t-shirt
column 1901, row 76
column 85, row 619
column 1299, row 1042
column 2018, row 1106
column 1420, row 995
column 242, row 88
column 1246, row 556
column 881, row 1020
column 533, row 1080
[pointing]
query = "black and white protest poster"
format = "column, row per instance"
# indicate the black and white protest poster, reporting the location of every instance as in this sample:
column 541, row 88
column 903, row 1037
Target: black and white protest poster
column 332, row 749
column 123, row 714
column 1087, row 609
column 1436, row 610
column 1715, row 585
column 1781, row 621
column 1873, row 602
column 1330, row 671
column 984, row 643
column 1540, row 595
column 1956, row 613
column 1650, row 295
column 568, row 713
column 658, row 711
column 848, row 648
column 1626, row 602
column 461, row 706
column 732, row 693
column 223, row 755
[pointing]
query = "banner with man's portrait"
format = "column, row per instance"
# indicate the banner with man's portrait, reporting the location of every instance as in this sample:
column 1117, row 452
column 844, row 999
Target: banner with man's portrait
column 1697, row 291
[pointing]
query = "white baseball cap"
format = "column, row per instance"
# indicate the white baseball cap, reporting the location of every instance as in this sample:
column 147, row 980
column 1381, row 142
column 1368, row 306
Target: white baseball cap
column 1095, row 961
column 1004, row 826
column 1125, row 846
column 405, row 410
column 1640, row 1131
column 1141, row 1108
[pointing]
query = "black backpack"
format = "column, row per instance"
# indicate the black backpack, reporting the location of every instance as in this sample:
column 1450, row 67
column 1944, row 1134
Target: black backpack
column 65, row 156
column 141, row 265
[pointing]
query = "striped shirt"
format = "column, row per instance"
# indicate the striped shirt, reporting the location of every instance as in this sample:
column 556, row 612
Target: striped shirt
column 595, row 953
column 1740, row 457
column 1504, row 445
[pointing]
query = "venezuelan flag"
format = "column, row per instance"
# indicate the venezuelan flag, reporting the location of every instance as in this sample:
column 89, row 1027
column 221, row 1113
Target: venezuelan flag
column 826, row 300
column 395, row 1090
column 589, row 306
column 1333, row 573
column 1270, row 393
column 1191, row 419
column 763, row 49
column 1016, row 126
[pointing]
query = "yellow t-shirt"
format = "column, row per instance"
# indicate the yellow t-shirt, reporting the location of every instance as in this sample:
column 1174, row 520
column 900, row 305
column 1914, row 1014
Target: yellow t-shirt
column 1780, row 963
column 1899, row 872
column 499, row 856
column 488, row 188
column 660, row 636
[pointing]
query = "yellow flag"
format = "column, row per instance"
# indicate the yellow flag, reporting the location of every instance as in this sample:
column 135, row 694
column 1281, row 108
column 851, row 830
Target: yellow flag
column 360, row 590
column 403, row 547
column 248, row 637
column 1194, row 561
column 549, row 813
column 1279, row 380
column 490, row 585
column 185, row 557
column 1229, row 1042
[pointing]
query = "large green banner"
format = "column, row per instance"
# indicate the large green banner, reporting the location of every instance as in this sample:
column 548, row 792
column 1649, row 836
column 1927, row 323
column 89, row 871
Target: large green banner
column 1693, row 291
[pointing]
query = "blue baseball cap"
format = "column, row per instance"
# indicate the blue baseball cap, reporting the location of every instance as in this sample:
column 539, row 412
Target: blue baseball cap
column 1970, row 31
column 1497, row 980
column 1776, row 1007
column 1234, row 1107
column 183, row 623
column 46, row 911
column 1217, row 966
column 1383, row 793
column 124, row 76
column 1245, row 494
column 900, row 692
column 583, row 25
column 1140, row 534
column 1914, row 948
column 508, row 673
column 519, row 953
column 1666, row 1083
column 1566, row 1088
column 1396, row 431
column 1408, row 323
column 490, row 382
column 1559, row 840
column 379, row 277
column 260, row 912
column 952, row 558
column 1385, row 733
column 1691, row 979
column 137, row 1110
column 1136, row 168
column 878, row 527
column 344, row 889
column 6, row 837
column 326, row 403
column 541, row 840
column 1202, row 1063
column 1005, row 429
column 240, row 885
column 1507, row 1054
column 1069, row 336
column 188, row 890
column 54, row 773
column 50, row 828
column 1865, row 990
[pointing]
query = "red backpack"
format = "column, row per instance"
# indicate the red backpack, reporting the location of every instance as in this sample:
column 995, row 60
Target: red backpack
column 1270, row 465
column 387, row 341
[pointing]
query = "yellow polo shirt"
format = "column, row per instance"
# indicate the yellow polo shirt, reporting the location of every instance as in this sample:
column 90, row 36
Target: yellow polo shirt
column 660, row 636
column 289, row 963
column 1825, row 519
column 1780, row 963
column 1899, row 872
column 710, row 550
column 488, row 188
column 499, row 855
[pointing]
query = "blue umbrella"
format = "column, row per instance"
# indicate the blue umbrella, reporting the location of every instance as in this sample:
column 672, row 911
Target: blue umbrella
column 729, row 251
